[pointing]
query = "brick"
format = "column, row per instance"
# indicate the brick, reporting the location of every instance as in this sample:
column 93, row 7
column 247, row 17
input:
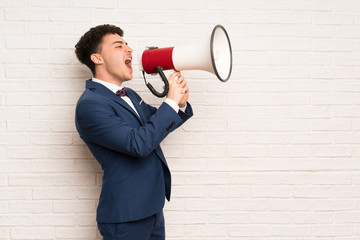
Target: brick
column 296, row 204
column 347, row 138
column 69, row 15
column 53, row 112
column 44, row 3
column 27, row 42
column 258, row 230
column 13, row 139
column 15, row 220
column 332, row 99
column 58, row 220
column 205, row 230
column 13, row 28
column 333, row 205
column 31, row 206
column 333, row 46
column 347, row 5
column 157, row 17
column 311, row 112
column 200, row 179
column 54, row 193
column 315, row 31
column 323, row 5
column 250, row 18
column 15, row 194
column 50, row 166
column 28, row 152
column 331, row 179
column 31, row 180
column 201, row 125
column 229, row 192
column 332, row 125
column 311, row 138
column 237, row 151
column 25, row 14
column 74, row 179
column 271, row 192
column 106, row 4
column 64, row 98
column 205, row 205
column 64, row 42
column 290, row 18
column 311, row 59
column 196, row 17
column 89, row 193
column 312, row 192
column 270, row 5
column 9, row 86
column 71, row 152
column 86, row 220
column 332, row 230
column 32, row 233
column 285, row 45
column 270, row 218
column 63, row 126
column 70, row 206
column 347, row 217
column 58, row 56
column 186, row 218
column 12, row 3
column 71, row 233
column 14, row 166
column 27, row 99
column 54, row 139
column 231, row 4
column 292, row 231
column 332, row 151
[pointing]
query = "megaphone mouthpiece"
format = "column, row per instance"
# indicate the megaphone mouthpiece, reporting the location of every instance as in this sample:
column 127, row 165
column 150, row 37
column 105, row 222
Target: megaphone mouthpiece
column 157, row 57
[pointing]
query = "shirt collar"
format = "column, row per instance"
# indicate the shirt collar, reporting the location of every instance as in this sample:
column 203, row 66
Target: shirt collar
column 112, row 87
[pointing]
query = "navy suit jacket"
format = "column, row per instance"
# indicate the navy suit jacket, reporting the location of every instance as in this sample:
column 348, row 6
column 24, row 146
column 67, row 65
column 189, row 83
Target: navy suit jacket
column 136, row 176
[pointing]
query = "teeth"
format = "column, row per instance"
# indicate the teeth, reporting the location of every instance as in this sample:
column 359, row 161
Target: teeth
column 128, row 60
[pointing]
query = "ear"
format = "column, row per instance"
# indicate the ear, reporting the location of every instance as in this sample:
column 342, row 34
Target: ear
column 96, row 58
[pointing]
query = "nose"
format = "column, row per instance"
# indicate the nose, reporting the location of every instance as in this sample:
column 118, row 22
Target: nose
column 129, row 49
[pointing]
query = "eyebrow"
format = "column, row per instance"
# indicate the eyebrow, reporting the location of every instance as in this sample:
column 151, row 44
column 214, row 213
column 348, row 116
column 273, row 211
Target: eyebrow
column 121, row 42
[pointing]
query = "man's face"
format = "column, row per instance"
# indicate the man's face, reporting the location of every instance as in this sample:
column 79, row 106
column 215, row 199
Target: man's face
column 117, row 57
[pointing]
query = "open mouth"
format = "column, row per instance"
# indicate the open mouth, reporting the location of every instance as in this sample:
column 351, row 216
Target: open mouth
column 128, row 62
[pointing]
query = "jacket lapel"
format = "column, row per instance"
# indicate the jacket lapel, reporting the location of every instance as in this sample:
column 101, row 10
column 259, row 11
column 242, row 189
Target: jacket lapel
column 99, row 88
column 137, row 106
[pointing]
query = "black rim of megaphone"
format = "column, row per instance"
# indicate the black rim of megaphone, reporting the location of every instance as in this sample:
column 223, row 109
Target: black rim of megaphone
column 213, row 54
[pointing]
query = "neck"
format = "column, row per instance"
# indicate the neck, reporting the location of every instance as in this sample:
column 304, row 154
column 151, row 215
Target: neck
column 108, row 78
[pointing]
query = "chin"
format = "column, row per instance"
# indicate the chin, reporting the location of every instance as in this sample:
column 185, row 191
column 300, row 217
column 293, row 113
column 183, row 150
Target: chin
column 129, row 78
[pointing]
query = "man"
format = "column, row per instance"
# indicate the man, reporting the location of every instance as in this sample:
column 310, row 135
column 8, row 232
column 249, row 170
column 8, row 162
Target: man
column 124, row 135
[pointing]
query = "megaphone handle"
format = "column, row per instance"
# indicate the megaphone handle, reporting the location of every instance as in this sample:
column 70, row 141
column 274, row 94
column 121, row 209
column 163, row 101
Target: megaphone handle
column 164, row 79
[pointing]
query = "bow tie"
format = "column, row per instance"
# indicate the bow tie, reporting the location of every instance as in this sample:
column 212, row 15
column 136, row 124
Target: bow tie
column 121, row 92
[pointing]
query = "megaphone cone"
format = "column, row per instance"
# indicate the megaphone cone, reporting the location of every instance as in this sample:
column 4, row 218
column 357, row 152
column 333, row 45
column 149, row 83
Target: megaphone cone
column 213, row 55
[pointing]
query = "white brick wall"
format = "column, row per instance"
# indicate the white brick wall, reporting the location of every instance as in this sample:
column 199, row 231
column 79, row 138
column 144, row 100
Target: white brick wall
column 274, row 153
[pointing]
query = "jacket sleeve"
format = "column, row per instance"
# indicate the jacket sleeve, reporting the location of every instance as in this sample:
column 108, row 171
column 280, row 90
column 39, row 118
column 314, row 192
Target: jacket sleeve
column 97, row 122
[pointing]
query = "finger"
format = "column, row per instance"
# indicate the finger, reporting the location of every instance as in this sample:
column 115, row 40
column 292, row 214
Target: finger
column 183, row 83
column 179, row 79
column 175, row 75
column 185, row 90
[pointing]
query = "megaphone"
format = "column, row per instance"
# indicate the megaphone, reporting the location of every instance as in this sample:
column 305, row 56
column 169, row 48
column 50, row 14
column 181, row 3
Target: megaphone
column 213, row 55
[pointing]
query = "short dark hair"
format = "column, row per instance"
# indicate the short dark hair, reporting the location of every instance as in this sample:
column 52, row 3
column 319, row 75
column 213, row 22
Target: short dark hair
column 91, row 42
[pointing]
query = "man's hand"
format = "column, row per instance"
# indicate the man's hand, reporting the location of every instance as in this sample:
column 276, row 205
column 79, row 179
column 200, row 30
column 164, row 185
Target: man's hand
column 177, row 89
column 182, row 83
